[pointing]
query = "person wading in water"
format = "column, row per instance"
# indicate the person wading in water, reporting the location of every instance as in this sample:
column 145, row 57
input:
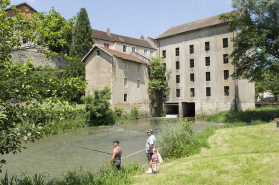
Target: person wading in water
column 116, row 155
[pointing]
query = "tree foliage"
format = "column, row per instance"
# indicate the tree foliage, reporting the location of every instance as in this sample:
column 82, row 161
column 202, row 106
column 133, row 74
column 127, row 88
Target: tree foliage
column 98, row 107
column 256, row 45
column 82, row 40
column 158, row 86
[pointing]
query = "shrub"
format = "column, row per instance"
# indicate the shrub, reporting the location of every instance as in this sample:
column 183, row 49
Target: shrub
column 180, row 140
column 135, row 113
column 98, row 107
column 107, row 175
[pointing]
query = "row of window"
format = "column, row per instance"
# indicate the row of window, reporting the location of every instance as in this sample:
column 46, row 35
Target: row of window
column 207, row 76
column 208, row 91
column 207, row 62
column 192, row 50
column 134, row 50
column 126, row 83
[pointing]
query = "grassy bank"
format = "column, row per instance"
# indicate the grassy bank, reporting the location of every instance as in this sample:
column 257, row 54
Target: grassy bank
column 107, row 176
column 239, row 155
column 261, row 114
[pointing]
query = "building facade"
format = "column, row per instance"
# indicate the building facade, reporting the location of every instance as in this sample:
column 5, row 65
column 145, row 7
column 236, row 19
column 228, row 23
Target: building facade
column 195, row 54
column 146, row 48
column 124, row 74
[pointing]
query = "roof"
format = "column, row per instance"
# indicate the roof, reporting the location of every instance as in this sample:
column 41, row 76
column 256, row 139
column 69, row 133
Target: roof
column 114, row 53
column 199, row 24
column 119, row 38
column 24, row 3
column 153, row 40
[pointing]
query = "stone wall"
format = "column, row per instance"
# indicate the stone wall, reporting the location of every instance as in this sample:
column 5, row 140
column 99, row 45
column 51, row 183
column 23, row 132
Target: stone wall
column 144, row 109
column 38, row 58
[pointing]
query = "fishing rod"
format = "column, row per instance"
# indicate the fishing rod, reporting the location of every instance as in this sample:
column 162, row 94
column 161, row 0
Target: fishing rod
column 85, row 148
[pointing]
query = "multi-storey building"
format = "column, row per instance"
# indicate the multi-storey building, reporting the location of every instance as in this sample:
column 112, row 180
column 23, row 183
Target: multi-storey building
column 147, row 48
column 199, row 77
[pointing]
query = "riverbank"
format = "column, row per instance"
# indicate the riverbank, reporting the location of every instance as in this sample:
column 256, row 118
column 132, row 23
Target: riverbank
column 239, row 155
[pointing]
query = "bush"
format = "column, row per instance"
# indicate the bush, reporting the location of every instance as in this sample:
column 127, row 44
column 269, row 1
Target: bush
column 180, row 140
column 107, row 175
column 135, row 113
column 262, row 114
column 98, row 107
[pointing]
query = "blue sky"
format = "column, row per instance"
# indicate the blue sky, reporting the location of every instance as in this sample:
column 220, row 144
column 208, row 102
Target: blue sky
column 134, row 18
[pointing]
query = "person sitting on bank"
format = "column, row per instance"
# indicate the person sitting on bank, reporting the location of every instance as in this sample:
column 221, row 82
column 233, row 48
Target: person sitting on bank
column 116, row 155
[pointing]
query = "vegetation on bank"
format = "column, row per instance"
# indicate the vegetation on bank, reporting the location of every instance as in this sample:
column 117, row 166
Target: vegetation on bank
column 107, row 175
column 239, row 155
column 264, row 114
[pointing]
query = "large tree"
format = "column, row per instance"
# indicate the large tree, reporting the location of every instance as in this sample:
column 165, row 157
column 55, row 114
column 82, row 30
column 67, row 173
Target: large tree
column 82, row 40
column 256, row 44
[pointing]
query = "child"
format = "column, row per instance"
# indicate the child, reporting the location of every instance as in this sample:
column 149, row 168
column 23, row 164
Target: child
column 154, row 161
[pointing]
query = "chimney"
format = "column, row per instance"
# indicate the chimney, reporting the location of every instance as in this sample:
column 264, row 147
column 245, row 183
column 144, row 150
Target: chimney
column 142, row 37
column 108, row 31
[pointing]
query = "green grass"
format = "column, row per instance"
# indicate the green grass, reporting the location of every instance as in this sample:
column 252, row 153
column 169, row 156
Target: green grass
column 261, row 114
column 239, row 155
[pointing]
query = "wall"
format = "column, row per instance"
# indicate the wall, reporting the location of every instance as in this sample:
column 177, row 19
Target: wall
column 98, row 71
column 38, row 58
column 137, row 97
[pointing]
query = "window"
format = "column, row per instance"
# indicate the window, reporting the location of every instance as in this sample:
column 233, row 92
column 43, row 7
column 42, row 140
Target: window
column 207, row 46
column 192, row 77
column 177, row 66
column 177, row 79
column 98, row 52
column 207, row 61
column 125, row 66
column 138, row 83
column 192, row 63
column 125, row 97
column 191, row 49
column 125, row 82
column 225, row 43
column 192, row 92
column 151, row 53
column 208, row 91
column 145, row 52
column 176, row 51
column 133, row 49
column 124, row 48
column 226, row 90
column 207, row 74
column 225, row 58
column 106, row 45
column 226, row 74
column 177, row 92
column 164, row 54
column 138, row 68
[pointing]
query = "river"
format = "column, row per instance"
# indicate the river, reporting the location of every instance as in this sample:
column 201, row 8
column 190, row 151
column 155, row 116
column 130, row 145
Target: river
column 58, row 154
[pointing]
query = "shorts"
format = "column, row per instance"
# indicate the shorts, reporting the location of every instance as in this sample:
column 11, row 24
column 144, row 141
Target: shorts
column 118, row 167
column 155, row 167
column 149, row 155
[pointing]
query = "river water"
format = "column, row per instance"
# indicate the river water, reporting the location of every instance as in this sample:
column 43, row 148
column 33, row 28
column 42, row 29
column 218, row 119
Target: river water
column 58, row 154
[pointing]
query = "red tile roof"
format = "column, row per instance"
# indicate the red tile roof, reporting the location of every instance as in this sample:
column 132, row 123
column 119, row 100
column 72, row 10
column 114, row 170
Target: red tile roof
column 119, row 38
column 115, row 53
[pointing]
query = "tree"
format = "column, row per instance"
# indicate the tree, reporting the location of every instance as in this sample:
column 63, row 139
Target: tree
column 158, row 85
column 82, row 40
column 256, row 44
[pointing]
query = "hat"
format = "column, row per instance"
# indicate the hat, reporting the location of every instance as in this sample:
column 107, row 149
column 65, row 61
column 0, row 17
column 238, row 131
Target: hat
column 116, row 141
column 149, row 130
